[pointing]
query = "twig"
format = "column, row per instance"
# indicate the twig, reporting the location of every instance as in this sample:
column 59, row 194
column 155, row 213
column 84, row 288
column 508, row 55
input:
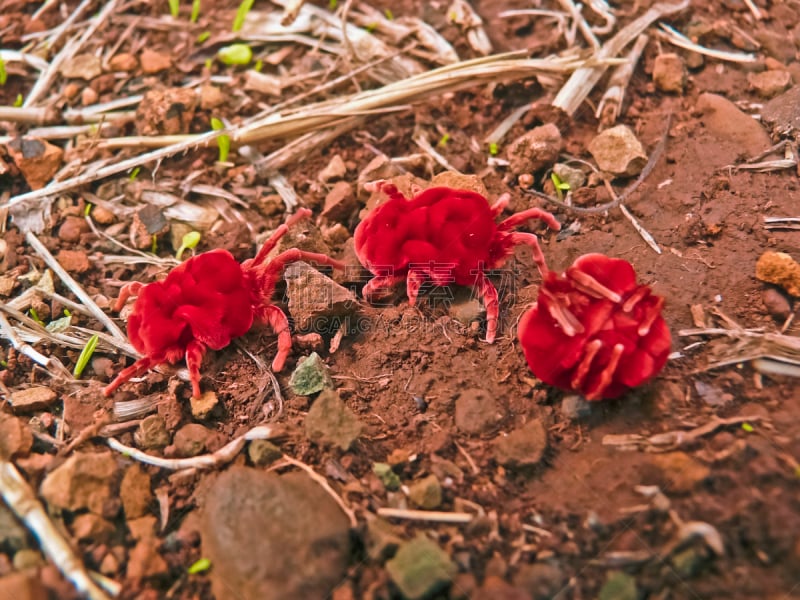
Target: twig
column 610, row 104
column 754, row 9
column 52, row 365
column 207, row 461
column 426, row 515
column 583, row 80
column 676, row 38
column 76, row 289
column 23, row 501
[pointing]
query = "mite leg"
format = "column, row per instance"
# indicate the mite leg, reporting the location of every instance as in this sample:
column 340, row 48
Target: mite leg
column 532, row 213
column 582, row 370
column 607, row 374
column 379, row 283
column 589, row 285
column 492, row 304
column 532, row 241
column 194, row 358
column 500, row 204
column 273, row 240
column 280, row 325
column 126, row 291
column 414, row 281
column 136, row 369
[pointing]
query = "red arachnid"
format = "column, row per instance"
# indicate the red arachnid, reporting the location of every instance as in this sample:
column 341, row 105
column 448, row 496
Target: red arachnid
column 206, row 302
column 445, row 236
column 594, row 330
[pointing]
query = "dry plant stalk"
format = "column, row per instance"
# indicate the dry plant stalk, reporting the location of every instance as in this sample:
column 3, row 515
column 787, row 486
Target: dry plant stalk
column 23, row 502
column 610, row 106
column 583, row 80
column 425, row 515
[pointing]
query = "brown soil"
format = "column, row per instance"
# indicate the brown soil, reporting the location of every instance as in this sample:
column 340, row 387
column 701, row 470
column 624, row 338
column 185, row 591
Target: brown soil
column 403, row 372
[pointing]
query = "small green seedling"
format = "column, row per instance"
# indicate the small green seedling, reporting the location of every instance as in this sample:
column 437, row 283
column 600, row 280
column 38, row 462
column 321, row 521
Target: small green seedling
column 388, row 477
column 371, row 27
column 748, row 428
column 67, row 313
column 235, row 54
column 199, row 566
column 18, row 102
column 87, row 209
column 493, row 149
column 188, row 242
column 86, row 354
column 174, row 8
column 195, row 11
column 223, row 141
column 35, row 316
column 134, row 174
column 241, row 14
column 332, row 4
column 3, row 72
column 208, row 63
column 258, row 66
column 443, row 140
column 203, row 37
column 561, row 186
column 154, row 244
column 389, row 14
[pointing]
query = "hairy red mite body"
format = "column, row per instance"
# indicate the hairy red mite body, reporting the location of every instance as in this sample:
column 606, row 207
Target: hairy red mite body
column 445, row 236
column 594, row 330
column 206, row 302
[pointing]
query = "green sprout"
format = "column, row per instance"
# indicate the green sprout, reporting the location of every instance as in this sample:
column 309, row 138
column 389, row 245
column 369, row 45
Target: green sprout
column 35, row 316
column 241, row 14
column 371, row 27
column 493, row 149
column 208, row 63
column 332, row 4
column 134, row 174
column 86, row 354
column 18, row 102
column 87, row 209
column 258, row 66
column 195, row 11
column 174, row 8
column 189, row 241
column 561, row 186
column 199, row 566
column 235, row 54
column 154, row 244
column 67, row 313
column 3, row 72
column 389, row 14
column 388, row 477
column 203, row 37
column 443, row 140
column 3, row 364
column 223, row 141
column 748, row 428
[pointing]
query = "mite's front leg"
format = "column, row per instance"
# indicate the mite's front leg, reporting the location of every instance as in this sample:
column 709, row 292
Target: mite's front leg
column 126, row 291
column 194, row 358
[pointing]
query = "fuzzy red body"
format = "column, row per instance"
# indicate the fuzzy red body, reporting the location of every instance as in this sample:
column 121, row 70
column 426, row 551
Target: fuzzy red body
column 595, row 330
column 206, row 302
column 445, row 236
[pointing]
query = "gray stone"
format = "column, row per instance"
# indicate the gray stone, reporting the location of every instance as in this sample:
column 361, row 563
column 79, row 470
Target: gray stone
column 152, row 433
column 317, row 302
column 83, row 66
column 421, row 568
column 523, row 447
column 669, row 73
column 310, row 376
column 618, row 151
column 536, row 150
column 768, row 84
column 689, row 562
column 575, row 407
column 476, row 411
column 572, row 176
column 542, row 580
column 273, row 537
column 380, row 539
column 426, row 493
column 619, row 586
column 738, row 133
column 263, row 453
column 191, row 440
column 329, row 421
column 782, row 113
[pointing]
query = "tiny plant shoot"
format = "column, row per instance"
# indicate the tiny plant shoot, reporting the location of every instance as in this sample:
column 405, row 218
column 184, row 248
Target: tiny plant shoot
column 3, row 73
column 223, row 141
column 203, row 37
column 154, row 244
column 199, row 566
column 86, row 354
column 87, row 209
column 18, row 102
column 235, row 54
column 332, row 4
column 443, row 140
column 493, row 149
column 241, row 14
column 174, row 8
column 134, row 174
column 561, row 186
column 195, row 11
column 189, row 241
column 35, row 316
